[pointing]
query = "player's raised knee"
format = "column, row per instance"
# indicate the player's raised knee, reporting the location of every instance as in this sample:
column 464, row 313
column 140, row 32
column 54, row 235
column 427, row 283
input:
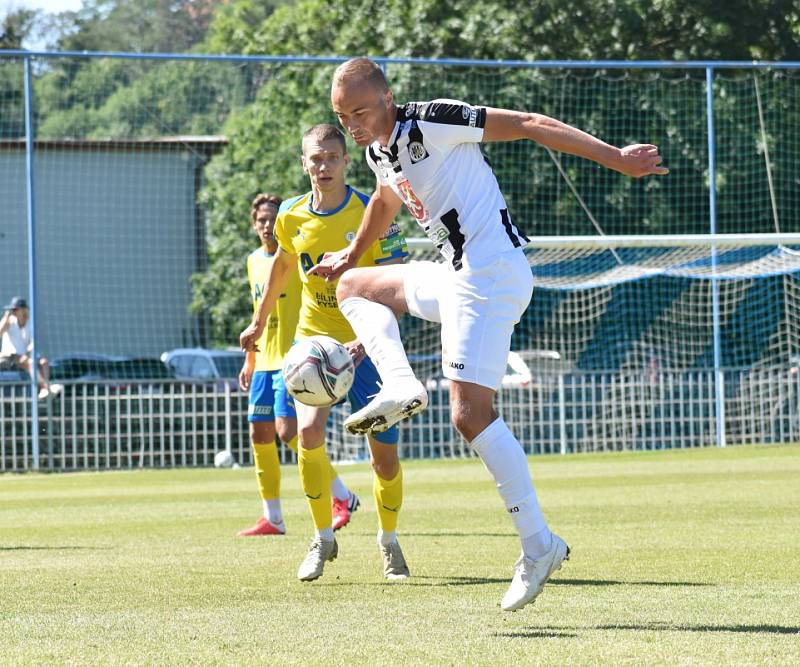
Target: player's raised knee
column 350, row 284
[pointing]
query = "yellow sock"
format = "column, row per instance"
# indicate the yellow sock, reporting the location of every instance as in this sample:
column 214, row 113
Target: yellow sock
column 388, row 496
column 315, row 477
column 268, row 470
column 292, row 444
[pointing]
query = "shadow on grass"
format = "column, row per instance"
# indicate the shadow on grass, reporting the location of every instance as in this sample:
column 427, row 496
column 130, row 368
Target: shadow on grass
column 549, row 631
column 436, row 534
column 23, row 547
column 433, row 581
column 422, row 580
column 614, row 582
column 670, row 627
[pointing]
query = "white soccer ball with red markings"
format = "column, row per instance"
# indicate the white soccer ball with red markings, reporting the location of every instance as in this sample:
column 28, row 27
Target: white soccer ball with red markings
column 318, row 371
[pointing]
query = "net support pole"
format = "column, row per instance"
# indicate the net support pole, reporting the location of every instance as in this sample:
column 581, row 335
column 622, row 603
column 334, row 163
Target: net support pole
column 31, row 261
column 719, row 380
column 562, row 414
column 228, row 419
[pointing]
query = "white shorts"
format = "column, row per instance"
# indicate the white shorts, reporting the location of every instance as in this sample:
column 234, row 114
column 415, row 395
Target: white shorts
column 478, row 308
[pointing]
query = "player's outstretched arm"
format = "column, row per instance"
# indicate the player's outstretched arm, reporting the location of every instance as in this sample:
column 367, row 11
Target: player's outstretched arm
column 382, row 208
column 280, row 271
column 635, row 160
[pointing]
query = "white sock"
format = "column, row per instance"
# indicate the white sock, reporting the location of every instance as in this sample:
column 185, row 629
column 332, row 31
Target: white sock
column 376, row 328
column 503, row 457
column 272, row 511
column 339, row 490
column 538, row 543
column 386, row 538
column 326, row 534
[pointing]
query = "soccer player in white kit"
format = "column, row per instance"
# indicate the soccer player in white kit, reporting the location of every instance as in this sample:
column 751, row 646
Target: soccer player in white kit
column 426, row 156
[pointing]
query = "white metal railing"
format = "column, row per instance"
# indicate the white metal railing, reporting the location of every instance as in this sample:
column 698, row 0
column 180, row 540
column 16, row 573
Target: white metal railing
column 167, row 424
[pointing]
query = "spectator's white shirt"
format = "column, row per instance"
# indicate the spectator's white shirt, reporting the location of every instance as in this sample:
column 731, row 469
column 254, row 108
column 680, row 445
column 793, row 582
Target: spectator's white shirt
column 16, row 339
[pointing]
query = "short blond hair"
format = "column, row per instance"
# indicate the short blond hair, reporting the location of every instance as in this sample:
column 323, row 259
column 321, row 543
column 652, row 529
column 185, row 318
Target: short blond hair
column 361, row 69
column 325, row 131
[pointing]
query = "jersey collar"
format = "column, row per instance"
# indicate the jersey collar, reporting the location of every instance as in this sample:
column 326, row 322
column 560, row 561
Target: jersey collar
column 401, row 117
column 334, row 211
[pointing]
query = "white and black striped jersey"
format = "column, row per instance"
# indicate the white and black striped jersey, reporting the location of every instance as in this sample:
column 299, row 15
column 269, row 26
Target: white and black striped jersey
column 434, row 164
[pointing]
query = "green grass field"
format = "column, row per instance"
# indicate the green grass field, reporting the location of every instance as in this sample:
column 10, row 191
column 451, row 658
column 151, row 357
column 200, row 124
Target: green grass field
column 678, row 558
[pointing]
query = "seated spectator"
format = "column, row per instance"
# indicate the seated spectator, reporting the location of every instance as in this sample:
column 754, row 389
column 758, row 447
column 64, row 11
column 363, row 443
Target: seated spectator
column 16, row 347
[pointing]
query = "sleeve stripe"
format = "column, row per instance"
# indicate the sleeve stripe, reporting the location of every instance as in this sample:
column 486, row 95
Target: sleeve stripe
column 452, row 114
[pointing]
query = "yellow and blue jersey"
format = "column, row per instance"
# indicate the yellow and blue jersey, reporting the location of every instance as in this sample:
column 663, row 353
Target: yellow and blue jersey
column 282, row 321
column 301, row 230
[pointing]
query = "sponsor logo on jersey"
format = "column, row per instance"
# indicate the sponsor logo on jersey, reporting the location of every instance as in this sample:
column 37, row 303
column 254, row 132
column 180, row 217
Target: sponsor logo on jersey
column 465, row 112
column 349, row 236
column 390, row 245
column 417, row 152
column 513, row 510
column 473, row 116
column 413, row 203
column 456, row 364
column 437, row 233
column 393, row 230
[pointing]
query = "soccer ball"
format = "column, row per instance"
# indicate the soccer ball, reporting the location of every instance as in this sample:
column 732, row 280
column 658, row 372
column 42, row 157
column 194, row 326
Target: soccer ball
column 318, row 371
column 224, row 459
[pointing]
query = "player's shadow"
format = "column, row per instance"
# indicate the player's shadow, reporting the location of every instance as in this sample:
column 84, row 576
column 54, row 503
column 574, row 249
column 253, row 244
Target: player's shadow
column 433, row 581
column 549, row 631
column 615, row 582
column 440, row 534
column 477, row 581
column 24, row 547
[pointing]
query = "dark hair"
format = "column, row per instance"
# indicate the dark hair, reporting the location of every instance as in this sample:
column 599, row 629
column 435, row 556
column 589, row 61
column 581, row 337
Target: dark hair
column 260, row 200
column 325, row 131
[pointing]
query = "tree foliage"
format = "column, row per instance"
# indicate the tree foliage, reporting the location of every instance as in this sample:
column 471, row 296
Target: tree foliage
column 264, row 139
column 139, row 26
column 263, row 109
column 118, row 98
column 16, row 27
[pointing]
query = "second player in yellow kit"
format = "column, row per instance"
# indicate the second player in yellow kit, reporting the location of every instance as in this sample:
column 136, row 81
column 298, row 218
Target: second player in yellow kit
column 325, row 220
column 270, row 407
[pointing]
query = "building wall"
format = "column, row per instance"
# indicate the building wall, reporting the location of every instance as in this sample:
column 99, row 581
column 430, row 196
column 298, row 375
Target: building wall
column 116, row 240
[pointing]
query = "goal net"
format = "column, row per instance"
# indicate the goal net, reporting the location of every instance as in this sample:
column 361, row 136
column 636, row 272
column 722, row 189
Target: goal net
column 652, row 303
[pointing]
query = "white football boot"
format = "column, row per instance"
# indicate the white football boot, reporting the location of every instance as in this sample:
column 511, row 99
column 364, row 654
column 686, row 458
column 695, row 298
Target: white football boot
column 530, row 575
column 394, row 563
column 319, row 551
column 391, row 404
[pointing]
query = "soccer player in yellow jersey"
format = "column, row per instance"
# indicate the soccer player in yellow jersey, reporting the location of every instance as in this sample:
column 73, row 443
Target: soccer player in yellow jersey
column 321, row 221
column 270, row 407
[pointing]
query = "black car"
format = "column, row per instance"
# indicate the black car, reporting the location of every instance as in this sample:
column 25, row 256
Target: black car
column 114, row 370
